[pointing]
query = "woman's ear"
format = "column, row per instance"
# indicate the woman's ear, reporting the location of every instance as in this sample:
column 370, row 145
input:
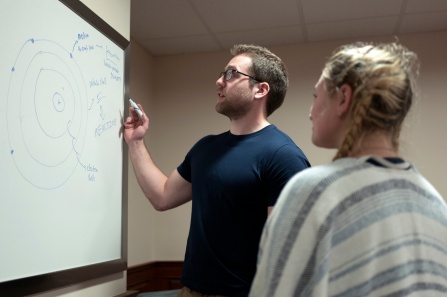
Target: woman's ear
column 344, row 99
column 261, row 89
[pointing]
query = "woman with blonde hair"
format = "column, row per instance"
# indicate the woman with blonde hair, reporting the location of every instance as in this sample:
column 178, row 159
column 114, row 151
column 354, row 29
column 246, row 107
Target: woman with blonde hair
column 367, row 224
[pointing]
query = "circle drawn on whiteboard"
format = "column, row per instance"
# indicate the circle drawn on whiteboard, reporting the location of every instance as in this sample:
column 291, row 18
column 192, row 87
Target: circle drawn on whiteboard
column 58, row 102
column 46, row 113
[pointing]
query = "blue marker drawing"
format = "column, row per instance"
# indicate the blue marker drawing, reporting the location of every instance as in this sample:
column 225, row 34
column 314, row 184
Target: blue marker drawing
column 47, row 112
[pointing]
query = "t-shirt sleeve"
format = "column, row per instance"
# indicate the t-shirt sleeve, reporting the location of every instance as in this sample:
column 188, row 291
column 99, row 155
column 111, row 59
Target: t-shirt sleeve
column 184, row 169
column 286, row 162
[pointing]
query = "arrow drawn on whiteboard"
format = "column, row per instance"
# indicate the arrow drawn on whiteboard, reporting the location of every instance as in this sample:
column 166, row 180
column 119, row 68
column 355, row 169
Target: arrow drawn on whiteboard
column 76, row 42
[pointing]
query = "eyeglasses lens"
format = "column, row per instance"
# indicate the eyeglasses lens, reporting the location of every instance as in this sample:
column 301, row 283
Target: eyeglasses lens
column 228, row 74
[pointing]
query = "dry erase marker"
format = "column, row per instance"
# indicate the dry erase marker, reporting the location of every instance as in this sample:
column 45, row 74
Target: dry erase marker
column 136, row 108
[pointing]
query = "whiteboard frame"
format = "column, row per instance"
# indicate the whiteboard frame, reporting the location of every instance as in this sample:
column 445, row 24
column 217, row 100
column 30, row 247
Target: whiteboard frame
column 58, row 279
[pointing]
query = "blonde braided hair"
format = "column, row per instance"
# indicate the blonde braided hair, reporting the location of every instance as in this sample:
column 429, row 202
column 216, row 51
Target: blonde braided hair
column 382, row 79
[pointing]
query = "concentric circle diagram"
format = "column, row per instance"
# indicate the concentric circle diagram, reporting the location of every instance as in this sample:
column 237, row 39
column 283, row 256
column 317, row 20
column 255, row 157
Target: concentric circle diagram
column 46, row 113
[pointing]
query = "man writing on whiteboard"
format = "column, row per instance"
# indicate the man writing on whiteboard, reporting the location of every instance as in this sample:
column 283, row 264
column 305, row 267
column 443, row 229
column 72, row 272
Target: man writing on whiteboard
column 232, row 178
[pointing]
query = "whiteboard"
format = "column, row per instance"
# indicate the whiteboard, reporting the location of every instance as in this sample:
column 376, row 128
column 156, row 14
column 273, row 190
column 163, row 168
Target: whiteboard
column 63, row 84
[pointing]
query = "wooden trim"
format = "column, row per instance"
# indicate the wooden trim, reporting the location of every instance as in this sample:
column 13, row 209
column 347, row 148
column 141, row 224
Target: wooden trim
column 155, row 276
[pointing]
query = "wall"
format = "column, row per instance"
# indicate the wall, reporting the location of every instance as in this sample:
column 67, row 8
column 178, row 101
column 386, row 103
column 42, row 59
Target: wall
column 117, row 14
column 141, row 217
column 182, row 98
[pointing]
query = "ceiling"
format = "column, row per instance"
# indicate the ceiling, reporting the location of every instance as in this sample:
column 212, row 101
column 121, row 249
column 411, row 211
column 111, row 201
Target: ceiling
column 168, row 27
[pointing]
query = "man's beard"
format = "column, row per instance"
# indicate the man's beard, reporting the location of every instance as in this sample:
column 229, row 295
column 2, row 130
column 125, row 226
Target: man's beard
column 233, row 110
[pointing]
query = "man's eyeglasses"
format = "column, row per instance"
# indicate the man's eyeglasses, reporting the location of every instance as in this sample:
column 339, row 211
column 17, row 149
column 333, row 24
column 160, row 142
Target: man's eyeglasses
column 228, row 74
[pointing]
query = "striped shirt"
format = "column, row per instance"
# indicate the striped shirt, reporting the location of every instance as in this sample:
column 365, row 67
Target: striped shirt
column 355, row 227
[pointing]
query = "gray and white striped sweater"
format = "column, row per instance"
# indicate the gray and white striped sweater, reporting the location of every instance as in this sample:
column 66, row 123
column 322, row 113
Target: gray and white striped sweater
column 355, row 227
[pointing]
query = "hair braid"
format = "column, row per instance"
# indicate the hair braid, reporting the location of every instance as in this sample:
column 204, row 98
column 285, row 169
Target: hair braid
column 355, row 132
column 382, row 80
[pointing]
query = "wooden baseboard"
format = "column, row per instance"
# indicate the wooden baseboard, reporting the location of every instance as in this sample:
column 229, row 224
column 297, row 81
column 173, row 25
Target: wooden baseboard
column 155, row 276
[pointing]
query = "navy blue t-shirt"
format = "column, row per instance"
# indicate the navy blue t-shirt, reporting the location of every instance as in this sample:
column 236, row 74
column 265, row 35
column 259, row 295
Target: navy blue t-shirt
column 234, row 179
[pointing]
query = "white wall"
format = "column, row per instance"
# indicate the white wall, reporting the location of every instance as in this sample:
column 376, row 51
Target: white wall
column 117, row 14
column 180, row 104
column 141, row 214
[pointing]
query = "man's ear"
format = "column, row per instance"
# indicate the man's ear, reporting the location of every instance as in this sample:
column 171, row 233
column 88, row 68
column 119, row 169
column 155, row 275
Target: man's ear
column 261, row 89
column 344, row 99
